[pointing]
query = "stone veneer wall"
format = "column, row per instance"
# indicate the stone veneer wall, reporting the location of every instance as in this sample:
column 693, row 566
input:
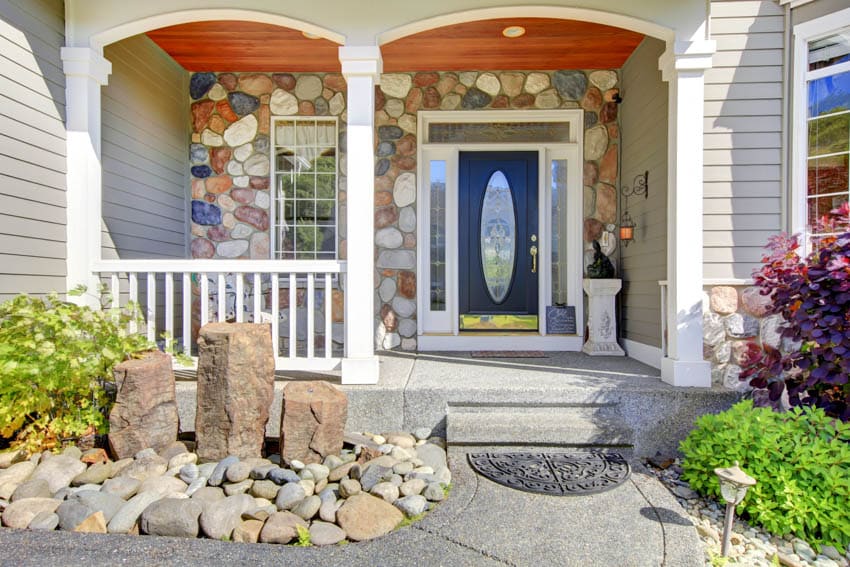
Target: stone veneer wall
column 735, row 326
column 398, row 99
column 230, row 154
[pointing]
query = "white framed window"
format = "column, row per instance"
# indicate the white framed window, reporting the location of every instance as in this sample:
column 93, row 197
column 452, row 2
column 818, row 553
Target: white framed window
column 305, row 175
column 821, row 150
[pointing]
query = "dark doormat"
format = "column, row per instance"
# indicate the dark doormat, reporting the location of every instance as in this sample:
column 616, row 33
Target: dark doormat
column 557, row 474
column 508, row 354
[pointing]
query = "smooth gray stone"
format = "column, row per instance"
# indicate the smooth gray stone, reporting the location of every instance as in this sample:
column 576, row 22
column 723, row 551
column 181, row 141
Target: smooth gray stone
column 327, row 511
column 349, row 487
column 265, row 489
column 208, row 494
column 373, row 475
column 281, row 476
column 332, row 462
column 431, row 455
column 412, row 505
column 206, row 469
column 289, row 495
column 219, row 519
column 37, row 488
column 145, row 454
column 123, row 486
column 73, row 452
column 95, row 474
column 434, row 492
column 217, row 476
column 172, row 517
column 58, row 471
column 231, row 488
column 421, row 433
column 322, row 533
column 261, row 472
column 72, row 513
column 189, row 473
column 44, row 521
column 126, row 517
column 308, row 507
column 320, row 472
column 104, row 502
column 196, row 485
column 237, row 472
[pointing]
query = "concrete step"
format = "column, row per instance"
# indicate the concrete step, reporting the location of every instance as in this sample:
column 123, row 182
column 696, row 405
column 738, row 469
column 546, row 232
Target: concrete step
column 555, row 425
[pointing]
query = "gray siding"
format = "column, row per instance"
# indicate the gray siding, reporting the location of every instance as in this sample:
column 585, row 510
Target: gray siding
column 145, row 129
column 743, row 131
column 644, row 148
column 32, row 147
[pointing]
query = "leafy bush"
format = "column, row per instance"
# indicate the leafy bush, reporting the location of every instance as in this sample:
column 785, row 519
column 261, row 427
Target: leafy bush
column 55, row 358
column 800, row 458
column 813, row 296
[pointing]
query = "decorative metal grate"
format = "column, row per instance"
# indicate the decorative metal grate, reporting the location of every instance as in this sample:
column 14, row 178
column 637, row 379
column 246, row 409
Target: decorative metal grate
column 556, row 474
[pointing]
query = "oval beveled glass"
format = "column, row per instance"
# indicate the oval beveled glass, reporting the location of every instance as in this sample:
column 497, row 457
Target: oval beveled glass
column 498, row 237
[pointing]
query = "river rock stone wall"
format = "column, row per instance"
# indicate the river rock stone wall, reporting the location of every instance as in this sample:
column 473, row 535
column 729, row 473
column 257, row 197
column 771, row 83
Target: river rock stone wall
column 397, row 100
column 230, row 154
column 736, row 325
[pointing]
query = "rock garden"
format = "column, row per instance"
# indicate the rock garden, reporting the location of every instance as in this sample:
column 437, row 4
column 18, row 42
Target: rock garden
column 316, row 485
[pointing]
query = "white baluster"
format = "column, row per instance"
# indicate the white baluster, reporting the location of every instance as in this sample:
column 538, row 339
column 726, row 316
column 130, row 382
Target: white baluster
column 293, row 315
column 205, row 299
column 311, row 314
column 222, row 298
column 134, row 299
column 115, row 290
column 240, row 304
column 328, row 317
column 187, row 313
column 169, row 305
column 150, row 311
column 275, row 315
column 257, row 296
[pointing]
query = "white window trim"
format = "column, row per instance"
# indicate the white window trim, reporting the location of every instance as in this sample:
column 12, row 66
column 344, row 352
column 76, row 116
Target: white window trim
column 439, row 330
column 803, row 34
column 273, row 180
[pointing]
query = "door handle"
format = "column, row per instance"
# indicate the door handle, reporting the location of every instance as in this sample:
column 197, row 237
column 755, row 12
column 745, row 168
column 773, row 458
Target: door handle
column 533, row 253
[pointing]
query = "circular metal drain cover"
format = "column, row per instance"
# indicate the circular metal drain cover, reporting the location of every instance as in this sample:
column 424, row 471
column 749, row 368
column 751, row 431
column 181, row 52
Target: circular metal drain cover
column 557, row 474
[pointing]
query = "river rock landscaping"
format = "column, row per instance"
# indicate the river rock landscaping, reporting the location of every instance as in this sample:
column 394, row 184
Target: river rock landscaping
column 751, row 545
column 367, row 490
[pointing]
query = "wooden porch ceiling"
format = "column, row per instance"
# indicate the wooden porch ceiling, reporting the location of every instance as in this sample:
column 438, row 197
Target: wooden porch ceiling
column 480, row 45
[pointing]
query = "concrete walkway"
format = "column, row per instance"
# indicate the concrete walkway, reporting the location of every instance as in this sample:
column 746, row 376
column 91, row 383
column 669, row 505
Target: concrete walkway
column 639, row 523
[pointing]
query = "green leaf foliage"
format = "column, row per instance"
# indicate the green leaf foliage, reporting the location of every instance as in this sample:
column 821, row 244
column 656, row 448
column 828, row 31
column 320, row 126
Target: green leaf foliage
column 800, row 458
column 55, row 358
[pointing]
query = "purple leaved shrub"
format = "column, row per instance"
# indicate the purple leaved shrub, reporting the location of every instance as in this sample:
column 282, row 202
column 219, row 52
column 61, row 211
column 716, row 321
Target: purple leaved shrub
column 812, row 294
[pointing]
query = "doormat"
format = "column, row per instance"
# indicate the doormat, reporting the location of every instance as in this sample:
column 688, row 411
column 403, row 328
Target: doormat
column 508, row 354
column 555, row 474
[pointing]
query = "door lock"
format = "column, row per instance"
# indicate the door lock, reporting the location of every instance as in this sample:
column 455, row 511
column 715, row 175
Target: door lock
column 533, row 253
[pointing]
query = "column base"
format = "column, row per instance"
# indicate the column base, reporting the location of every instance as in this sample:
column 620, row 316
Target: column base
column 602, row 349
column 360, row 370
column 687, row 374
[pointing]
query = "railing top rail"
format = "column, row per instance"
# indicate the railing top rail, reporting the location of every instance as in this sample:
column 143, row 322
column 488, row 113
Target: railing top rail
column 219, row 266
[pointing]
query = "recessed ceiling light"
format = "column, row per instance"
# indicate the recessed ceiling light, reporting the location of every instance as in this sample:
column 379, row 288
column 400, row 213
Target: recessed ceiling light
column 309, row 35
column 513, row 31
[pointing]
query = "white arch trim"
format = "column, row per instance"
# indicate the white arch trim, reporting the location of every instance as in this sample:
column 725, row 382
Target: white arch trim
column 557, row 12
column 122, row 31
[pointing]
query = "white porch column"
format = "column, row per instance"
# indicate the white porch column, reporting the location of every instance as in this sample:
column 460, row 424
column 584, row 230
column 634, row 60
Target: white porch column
column 683, row 66
column 86, row 70
column 362, row 68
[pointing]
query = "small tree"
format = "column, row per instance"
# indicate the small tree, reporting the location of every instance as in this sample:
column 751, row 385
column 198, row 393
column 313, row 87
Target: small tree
column 813, row 297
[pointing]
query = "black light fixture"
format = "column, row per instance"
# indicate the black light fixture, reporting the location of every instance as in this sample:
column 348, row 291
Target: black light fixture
column 640, row 186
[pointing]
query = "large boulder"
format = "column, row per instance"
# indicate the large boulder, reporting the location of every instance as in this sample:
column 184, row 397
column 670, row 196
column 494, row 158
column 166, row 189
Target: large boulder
column 312, row 421
column 235, row 389
column 364, row 517
column 145, row 410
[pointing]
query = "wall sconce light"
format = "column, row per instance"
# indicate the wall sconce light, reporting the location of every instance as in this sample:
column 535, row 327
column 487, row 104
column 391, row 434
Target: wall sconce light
column 640, row 186
column 734, row 484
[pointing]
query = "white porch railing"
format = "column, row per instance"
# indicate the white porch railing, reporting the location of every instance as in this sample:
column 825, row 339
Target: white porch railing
column 176, row 297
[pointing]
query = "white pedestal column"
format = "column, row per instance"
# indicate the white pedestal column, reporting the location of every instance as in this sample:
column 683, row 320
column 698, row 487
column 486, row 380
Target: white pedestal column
column 86, row 70
column 601, row 318
column 683, row 66
column 362, row 68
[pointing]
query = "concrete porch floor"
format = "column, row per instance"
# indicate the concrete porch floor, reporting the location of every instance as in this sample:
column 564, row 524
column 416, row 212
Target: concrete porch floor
column 419, row 390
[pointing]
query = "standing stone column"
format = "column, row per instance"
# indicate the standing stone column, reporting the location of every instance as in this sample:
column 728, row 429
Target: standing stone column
column 312, row 421
column 235, row 389
column 145, row 410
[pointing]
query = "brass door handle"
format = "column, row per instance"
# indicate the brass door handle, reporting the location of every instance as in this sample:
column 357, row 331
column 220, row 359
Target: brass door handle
column 533, row 253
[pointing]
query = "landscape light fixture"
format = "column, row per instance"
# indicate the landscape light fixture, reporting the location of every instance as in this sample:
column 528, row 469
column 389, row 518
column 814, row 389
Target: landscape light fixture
column 734, row 484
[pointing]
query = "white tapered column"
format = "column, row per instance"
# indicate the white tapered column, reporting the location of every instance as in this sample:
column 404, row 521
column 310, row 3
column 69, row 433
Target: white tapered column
column 683, row 66
column 86, row 71
column 361, row 67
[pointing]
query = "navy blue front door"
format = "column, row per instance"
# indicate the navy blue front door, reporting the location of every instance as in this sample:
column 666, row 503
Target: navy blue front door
column 498, row 259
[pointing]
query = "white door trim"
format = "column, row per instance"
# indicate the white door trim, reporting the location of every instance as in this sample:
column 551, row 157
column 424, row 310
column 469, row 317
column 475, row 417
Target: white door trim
column 439, row 330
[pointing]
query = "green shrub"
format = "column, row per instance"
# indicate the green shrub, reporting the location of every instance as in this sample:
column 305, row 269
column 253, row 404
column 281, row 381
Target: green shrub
column 800, row 458
column 55, row 358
